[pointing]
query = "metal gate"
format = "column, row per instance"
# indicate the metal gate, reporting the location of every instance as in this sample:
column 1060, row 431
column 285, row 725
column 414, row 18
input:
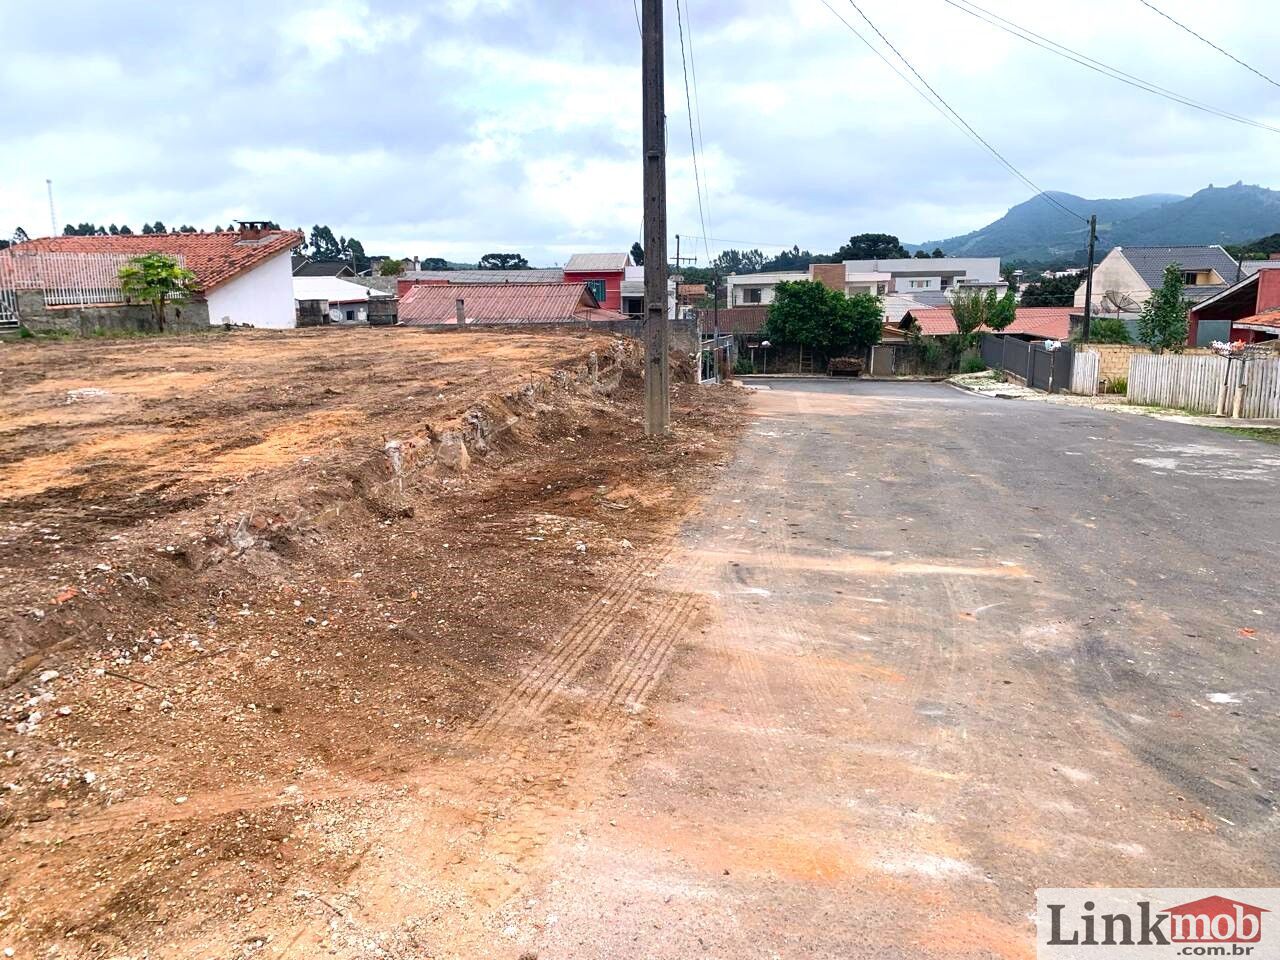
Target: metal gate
column 1032, row 362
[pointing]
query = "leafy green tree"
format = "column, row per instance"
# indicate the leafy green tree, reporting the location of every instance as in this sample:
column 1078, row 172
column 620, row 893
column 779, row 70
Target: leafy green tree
column 503, row 261
column 1106, row 329
column 871, row 246
column 811, row 315
column 355, row 251
column 390, row 268
column 737, row 261
column 1051, row 291
column 125, row 231
column 157, row 279
column 937, row 253
column 637, row 254
column 435, row 263
column 1162, row 325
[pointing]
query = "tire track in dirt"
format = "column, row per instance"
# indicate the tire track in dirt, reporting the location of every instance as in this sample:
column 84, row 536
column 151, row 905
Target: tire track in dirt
column 515, row 801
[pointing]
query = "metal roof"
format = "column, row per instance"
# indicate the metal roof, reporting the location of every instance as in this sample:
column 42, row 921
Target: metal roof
column 549, row 275
column 1150, row 263
column 602, row 262
column 436, row 304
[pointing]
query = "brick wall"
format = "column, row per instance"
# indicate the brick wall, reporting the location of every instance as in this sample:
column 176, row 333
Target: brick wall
column 828, row 274
column 1113, row 358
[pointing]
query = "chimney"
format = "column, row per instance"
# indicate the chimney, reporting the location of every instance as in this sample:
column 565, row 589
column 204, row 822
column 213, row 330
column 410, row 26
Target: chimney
column 253, row 229
column 460, row 309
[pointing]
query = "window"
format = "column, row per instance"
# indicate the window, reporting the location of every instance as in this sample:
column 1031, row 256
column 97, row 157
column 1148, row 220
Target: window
column 918, row 284
column 597, row 289
column 751, row 295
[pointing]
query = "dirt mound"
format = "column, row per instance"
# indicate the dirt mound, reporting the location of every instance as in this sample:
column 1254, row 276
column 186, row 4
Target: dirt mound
column 226, row 659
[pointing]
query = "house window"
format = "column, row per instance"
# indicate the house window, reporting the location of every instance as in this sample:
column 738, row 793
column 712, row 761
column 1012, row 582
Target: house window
column 597, row 289
column 918, row 284
column 752, row 295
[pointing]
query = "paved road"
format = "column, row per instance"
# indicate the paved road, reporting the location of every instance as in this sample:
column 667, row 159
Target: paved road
column 958, row 648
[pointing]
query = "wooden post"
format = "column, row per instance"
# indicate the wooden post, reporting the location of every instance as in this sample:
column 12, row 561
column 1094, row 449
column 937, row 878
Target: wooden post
column 1240, row 385
column 657, row 335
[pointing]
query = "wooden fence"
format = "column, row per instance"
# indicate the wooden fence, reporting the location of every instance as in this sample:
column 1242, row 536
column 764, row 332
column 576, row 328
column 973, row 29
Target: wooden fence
column 1193, row 383
column 1085, row 372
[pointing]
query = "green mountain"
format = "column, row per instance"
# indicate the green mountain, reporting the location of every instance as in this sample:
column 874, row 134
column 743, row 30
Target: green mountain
column 1038, row 232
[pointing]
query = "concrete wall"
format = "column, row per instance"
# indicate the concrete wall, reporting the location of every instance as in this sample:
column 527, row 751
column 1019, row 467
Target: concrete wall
column 1114, row 273
column 191, row 317
column 261, row 297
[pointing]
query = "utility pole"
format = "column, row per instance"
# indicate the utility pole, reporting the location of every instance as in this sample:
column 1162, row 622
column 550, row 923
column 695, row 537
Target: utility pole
column 53, row 218
column 1088, row 279
column 657, row 334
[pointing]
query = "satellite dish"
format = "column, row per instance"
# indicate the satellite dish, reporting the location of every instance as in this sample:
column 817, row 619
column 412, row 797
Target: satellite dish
column 1120, row 302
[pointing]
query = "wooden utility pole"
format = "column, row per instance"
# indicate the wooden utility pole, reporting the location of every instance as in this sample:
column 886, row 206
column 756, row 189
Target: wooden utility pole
column 657, row 334
column 1088, row 280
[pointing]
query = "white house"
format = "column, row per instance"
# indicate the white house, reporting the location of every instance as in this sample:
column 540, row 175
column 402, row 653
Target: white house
column 348, row 301
column 245, row 275
column 756, row 289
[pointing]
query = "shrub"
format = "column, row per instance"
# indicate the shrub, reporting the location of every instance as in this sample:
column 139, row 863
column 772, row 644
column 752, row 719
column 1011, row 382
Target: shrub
column 743, row 365
column 1118, row 385
column 1109, row 330
column 972, row 365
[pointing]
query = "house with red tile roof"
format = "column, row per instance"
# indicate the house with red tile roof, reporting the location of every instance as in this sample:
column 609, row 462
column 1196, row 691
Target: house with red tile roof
column 245, row 275
column 429, row 305
column 1030, row 323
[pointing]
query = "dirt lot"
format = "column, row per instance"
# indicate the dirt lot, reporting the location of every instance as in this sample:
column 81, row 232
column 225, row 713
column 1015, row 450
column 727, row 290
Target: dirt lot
column 283, row 674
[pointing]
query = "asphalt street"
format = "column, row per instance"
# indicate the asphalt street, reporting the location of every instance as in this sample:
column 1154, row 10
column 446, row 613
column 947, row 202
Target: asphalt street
column 955, row 649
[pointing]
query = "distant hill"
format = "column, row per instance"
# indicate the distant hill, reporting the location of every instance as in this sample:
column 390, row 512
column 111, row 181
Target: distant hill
column 1038, row 232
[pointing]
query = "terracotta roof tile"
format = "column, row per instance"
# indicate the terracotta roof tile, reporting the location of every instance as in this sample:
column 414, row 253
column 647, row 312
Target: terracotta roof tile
column 214, row 258
column 436, row 304
column 1052, row 323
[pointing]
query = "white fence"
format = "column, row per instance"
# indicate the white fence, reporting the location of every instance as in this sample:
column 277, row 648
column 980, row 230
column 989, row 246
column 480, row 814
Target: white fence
column 66, row 279
column 1193, row 383
column 1085, row 367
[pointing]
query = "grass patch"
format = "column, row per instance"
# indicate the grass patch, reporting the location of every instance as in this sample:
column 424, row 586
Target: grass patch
column 1255, row 433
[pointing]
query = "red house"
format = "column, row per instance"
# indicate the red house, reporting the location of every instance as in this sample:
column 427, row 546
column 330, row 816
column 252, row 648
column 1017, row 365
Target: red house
column 1248, row 310
column 602, row 272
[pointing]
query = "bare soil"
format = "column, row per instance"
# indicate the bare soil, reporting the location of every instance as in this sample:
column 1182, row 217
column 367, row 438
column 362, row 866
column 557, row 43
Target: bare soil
column 284, row 677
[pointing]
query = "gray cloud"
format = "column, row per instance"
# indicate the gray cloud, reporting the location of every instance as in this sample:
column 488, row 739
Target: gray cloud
column 453, row 128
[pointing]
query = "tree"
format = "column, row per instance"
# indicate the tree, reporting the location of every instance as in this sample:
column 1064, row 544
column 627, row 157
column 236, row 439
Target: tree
column 1051, row 291
column 157, row 279
column 324, row 245
column 871, row 246
column 1162, row 325
column 637, row 254
column 937, row 253
column 811, row 315
column 158, row 227
column 390, row 268
column 146, row 229
column 435, row 263
column 1105, row 329
column 355, row 250
column 503, row 261
column 921, row 255
column 125, row 231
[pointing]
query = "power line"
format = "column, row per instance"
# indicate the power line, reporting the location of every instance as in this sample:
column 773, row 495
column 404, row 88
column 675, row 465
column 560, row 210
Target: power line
column 697, row 109
column 1229, row 56
column 950, row 111
column 693, row 145
column 1097, row 66
column 636, row 10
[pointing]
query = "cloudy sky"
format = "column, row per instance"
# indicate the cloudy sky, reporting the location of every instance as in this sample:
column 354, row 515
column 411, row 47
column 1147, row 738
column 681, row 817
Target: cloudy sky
column 458, row 127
